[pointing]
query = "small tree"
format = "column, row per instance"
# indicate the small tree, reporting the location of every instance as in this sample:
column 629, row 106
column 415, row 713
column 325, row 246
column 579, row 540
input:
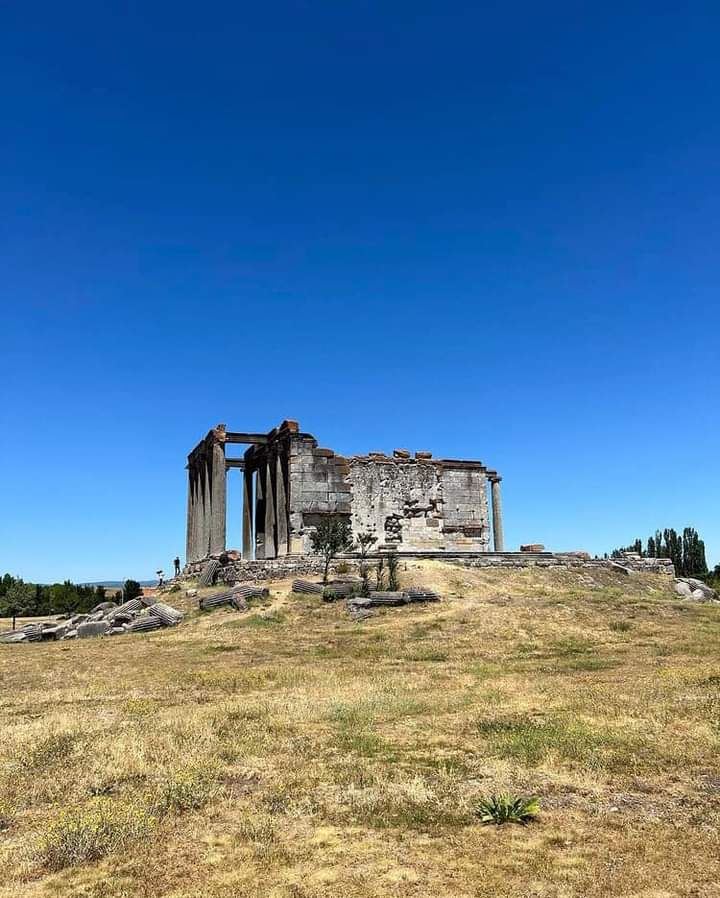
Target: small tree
column 18, row 601
column 393, row 564
column 331, row 536
column 131, row 590
column 380, row 574
column 365, row 542
column 713, row 578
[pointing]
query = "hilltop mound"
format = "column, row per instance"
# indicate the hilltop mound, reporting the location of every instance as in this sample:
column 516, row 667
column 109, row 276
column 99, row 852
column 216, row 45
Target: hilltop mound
column 292, row 751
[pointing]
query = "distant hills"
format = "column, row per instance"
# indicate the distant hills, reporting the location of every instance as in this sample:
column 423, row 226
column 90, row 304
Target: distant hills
column 117, row 583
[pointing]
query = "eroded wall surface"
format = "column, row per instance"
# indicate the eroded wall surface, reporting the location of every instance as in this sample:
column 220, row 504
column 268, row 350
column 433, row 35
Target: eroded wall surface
column 420, row 503
column 406, row 503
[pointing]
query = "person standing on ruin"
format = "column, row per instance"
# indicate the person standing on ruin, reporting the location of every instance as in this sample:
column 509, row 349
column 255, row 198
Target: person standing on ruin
column 176, row 563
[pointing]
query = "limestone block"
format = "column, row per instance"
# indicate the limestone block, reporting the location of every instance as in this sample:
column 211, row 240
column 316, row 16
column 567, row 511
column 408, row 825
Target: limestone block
column 698, row 584
column 92, row 628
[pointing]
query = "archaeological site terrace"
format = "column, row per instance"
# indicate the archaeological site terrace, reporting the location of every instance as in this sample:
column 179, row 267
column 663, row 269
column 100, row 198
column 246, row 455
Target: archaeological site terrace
column 409, row 502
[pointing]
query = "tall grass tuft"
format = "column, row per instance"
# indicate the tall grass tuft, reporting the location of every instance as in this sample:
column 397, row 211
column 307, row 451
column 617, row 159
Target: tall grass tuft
column 188, row 789
column 89, row 833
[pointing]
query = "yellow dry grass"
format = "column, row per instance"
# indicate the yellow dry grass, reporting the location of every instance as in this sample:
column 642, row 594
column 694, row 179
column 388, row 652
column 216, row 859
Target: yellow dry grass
column 291, row 752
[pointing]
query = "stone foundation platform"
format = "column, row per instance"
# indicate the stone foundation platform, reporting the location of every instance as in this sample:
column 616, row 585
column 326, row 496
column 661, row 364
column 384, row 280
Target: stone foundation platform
column 238, row 571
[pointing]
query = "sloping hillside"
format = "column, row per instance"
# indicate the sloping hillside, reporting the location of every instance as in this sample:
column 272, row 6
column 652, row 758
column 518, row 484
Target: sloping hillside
column 295, row 753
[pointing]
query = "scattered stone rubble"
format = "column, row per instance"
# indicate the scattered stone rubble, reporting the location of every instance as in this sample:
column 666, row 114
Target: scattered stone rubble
column 335, row 589
column 350, row 590
column 106, row 619
column 236, row 598
column 378, row 598
column 690, row 588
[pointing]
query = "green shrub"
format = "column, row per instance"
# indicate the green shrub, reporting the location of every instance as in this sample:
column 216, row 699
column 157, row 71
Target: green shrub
column 52, row 749
column 92, row 832
column 189, row 789
column 500, row 809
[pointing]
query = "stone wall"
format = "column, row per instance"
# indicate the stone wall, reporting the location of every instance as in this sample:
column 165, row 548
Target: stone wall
column 317, row 486
column 568, row 560
column 419, row 503
column 239, row 571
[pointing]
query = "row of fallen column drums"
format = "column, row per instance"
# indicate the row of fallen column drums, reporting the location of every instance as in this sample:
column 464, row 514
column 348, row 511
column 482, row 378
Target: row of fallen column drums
column 106, row 619
column 238, row 596
column 341, row 589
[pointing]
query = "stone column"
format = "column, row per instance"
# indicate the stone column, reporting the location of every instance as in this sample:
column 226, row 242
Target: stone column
column 247, row 524
column 498, row 539
column 189, row 520
column 205, row 529
column 269, row 511
column 281, row 512
column 260, row 512
column 197, row 510
column 218, row 498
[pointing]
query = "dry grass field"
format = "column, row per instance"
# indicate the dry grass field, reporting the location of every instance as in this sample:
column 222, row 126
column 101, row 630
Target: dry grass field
column 291, row 752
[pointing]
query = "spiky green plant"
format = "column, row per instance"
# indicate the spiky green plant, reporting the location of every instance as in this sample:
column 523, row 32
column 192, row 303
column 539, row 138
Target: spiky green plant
column 499, row 809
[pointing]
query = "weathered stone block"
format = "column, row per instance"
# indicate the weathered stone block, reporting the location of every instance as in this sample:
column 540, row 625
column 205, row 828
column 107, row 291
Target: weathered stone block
column 92, row 628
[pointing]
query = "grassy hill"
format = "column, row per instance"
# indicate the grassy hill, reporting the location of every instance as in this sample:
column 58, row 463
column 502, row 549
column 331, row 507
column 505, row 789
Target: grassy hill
column 291, row 752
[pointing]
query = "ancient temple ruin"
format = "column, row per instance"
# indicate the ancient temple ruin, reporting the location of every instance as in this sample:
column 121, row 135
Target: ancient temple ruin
column 410, row 502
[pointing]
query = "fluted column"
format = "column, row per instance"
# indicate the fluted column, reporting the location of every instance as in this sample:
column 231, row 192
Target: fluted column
column 269, row 511
column 218, row 498
column 247, row 534
column 498, row 538
column 260, row 512
column 188, row 519
column 281, row 511
column 205, row 528
column 197, row 511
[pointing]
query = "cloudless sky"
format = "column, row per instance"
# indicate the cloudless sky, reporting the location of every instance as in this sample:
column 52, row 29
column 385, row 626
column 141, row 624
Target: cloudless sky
column 486, row 229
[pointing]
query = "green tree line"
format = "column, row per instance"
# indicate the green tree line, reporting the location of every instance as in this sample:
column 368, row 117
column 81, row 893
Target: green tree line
column 686, row 551
column 38, row 600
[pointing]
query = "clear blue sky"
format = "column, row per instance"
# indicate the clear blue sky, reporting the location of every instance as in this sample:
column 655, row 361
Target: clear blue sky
column 486, row 229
